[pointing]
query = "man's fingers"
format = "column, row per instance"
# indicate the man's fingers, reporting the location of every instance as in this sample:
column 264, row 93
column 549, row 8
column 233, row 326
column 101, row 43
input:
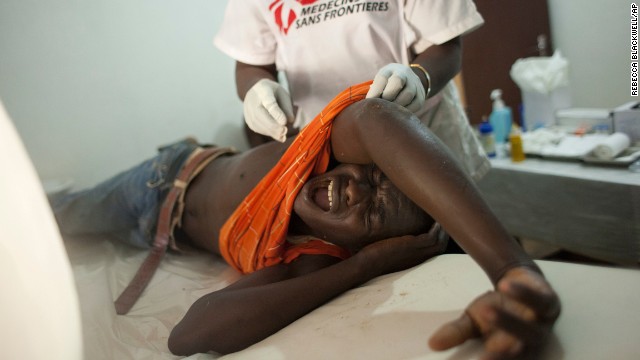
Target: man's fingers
column 513, row 330
column 538, row 297
column 528, row 332
column 501, row 345
column 433, row 242
column 453, row 333
column 438, row 238
column 435, row 230
column 510, row 320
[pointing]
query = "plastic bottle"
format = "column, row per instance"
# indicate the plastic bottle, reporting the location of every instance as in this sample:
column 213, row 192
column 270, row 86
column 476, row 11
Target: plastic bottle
column 517, row 150
column 500, row 118
column 486, row 138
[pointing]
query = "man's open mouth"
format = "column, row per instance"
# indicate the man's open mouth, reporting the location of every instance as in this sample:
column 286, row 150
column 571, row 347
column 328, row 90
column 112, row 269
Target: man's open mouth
column 323, row 196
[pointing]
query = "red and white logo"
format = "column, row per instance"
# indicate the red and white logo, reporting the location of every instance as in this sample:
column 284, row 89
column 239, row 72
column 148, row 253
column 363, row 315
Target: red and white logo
column 285, row 12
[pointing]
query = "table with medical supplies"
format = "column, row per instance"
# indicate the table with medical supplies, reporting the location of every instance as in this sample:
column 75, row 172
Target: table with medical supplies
column 586, row 208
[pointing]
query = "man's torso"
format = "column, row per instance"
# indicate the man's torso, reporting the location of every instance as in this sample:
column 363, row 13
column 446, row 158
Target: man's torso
column 217, row 191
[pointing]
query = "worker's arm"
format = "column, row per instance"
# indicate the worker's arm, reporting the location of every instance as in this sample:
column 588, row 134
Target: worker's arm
column 248, row 75
column 442, row 62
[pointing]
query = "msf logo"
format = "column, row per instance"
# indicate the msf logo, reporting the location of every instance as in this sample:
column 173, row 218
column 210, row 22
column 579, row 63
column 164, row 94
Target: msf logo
column 284, row 13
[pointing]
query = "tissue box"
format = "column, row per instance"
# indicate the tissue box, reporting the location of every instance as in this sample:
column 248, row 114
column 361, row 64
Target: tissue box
column 626, row 119
column 539, row 108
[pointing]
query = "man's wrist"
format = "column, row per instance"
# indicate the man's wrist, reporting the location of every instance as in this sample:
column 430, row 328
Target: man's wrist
column 364, row 266
column 517, row 265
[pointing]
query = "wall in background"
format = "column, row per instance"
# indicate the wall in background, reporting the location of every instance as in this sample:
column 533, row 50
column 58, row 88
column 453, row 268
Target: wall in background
column 510, row 32
column 94, row 86
column 595, row 36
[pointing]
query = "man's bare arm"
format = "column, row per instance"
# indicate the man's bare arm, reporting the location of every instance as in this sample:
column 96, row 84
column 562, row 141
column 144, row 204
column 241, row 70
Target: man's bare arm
column 261, row 303
column 419, row 164
column 518, row 315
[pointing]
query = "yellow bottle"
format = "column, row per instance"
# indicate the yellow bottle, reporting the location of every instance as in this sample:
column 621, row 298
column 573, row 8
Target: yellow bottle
column 515, row 140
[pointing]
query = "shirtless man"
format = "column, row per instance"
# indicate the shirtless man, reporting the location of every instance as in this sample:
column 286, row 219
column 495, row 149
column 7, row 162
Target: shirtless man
column 384, row 153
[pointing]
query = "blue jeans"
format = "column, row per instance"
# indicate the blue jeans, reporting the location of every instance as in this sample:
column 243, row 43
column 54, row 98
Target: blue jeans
column 127, row 205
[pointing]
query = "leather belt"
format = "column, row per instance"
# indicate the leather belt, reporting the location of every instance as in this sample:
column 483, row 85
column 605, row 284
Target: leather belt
column 166, row 221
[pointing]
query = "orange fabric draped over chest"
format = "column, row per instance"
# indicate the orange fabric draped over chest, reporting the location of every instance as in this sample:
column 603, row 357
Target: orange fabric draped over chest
column 254, row 236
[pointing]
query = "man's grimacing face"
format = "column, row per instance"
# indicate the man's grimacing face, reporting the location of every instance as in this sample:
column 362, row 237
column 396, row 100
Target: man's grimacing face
column 355, row 205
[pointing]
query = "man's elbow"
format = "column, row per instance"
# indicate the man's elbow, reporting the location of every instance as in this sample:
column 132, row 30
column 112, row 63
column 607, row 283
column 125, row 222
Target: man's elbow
column 186, row 340
column 177, row 344
column 184, row 343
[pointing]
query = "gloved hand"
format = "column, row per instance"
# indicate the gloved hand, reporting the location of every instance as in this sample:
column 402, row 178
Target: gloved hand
column 399, row 84
column 268, row 108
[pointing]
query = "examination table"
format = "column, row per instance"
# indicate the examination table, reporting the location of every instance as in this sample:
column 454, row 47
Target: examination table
column 390, row 317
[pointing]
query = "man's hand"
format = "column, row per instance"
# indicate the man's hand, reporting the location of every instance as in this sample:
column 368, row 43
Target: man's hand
column 399, row 84
column 268, row 109
column 514, row 321
column 400, row 253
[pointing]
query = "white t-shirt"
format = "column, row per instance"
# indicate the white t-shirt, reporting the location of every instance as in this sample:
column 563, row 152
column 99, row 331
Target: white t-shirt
column 323, row 46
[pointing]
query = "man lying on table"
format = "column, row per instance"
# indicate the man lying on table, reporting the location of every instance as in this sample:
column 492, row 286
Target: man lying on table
column 361, row 191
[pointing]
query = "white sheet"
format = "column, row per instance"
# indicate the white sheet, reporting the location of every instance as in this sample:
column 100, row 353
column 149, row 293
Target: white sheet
column 388, row 318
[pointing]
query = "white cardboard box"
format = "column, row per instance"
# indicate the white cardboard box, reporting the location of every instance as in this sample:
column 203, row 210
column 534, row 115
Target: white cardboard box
column 626, row 119
column 585, row 118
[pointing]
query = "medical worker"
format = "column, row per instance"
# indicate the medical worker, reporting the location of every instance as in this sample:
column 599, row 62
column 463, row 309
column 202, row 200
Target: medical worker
column 293, row 56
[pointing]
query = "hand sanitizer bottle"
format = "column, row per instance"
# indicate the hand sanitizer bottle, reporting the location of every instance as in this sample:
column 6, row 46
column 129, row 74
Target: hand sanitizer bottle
column 500, row 118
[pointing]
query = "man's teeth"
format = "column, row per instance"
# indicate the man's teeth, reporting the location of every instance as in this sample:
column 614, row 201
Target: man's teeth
column 330, row 194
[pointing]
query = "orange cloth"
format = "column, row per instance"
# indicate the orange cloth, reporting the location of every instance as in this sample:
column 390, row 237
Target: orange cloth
column 254, row 236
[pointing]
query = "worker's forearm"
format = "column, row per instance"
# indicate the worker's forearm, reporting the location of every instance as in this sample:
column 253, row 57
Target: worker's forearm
column 228, row 321
column 247, row 75
column 443, row 62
